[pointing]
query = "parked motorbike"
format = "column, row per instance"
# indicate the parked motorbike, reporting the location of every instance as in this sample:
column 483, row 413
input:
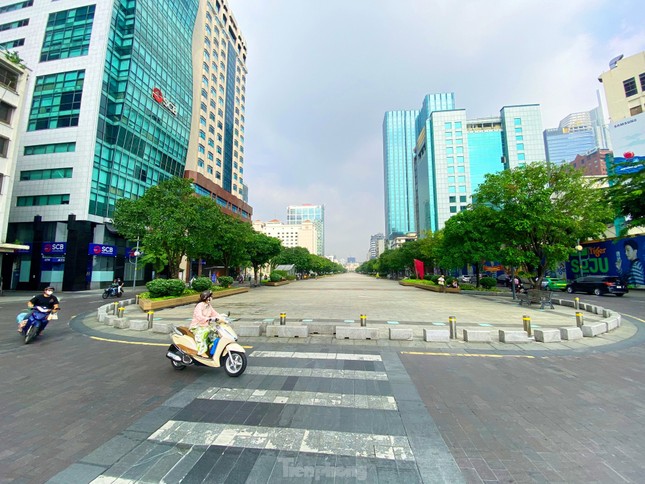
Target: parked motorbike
column 36, row 322
column 224, row 350
column 112, row 291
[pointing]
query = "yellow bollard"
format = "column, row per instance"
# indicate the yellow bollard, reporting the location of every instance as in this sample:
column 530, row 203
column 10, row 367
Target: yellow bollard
column 452, row 322
column 580, row 321
column 120, row 310
column 283, row 319
column 527, row 324
column 363, row 319
column 576, row 303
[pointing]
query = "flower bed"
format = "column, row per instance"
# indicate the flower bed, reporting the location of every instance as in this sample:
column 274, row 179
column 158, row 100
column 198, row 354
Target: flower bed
column 150, row 305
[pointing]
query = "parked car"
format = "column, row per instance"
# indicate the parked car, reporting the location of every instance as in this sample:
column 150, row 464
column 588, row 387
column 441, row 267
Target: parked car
column 504, row 280
column 465, row 278
column 554, row 284
column 598, row 285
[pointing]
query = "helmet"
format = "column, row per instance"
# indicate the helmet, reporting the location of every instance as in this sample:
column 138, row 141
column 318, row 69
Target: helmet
column 205, row 295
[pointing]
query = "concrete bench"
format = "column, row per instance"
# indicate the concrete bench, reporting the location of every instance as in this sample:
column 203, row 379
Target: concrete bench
column 570, row 333
column 436, row 334
column 547, row 335
column 287, row 331
column 591, row 330
column 121, row 323
column 163, row 327
column 477, row 336
column 513, row 336
column 405, row 334
column 356, row 332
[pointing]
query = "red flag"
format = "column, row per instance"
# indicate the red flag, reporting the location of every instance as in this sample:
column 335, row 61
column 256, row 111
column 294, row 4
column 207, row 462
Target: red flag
column 418, row 268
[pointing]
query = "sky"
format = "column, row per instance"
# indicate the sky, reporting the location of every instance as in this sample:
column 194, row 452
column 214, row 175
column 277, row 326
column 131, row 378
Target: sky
column 322, row 74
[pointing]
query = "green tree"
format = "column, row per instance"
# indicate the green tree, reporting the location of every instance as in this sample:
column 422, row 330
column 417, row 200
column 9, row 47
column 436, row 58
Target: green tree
column 537, row 213
column 627, row 192
column 164, row 219
column 260, row 249
column 230, row 244
column 298, row 256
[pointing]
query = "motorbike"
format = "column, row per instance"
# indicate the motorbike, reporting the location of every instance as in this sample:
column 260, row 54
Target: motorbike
column 112, row 291
column 224, row 350
column 36, row 322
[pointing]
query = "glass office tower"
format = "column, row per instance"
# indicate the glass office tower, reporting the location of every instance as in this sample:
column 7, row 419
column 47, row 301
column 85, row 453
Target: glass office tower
column 399, row 140
column 485, row 149
column 107, row 115
column 297, row 214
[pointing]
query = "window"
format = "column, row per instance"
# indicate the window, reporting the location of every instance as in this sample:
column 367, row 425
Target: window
column 462, row 199
column 519, row 138
column 11, row 44
column 518, row 130
column 447, row 125
column 49, row 174
column 209, row 170
column 14, row 25
column 517, row 121
column 630, row 87
column 520, row 147
column 636, row 110
column 453, row 209
column 68, row 34
column 452, row 199
column 6, row 112
column 641, row 78
column 520, row 156
column 16, row 6
column 4, row 146
column 37, row 200
column 8, row 78
column 458, row 125
column 57, row 101
column 51, row 148
column 200, row 163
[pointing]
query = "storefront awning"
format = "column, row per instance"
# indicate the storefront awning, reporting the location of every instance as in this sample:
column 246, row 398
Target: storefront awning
column 9, row 248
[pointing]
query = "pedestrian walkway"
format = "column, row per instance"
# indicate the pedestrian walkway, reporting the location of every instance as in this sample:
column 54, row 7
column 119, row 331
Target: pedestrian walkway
column 386, row 304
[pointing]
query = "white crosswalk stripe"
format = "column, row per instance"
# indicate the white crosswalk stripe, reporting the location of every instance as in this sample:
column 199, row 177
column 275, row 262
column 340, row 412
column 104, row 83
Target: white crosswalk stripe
column 316, row 356
column 375, row 402
column 316, row 372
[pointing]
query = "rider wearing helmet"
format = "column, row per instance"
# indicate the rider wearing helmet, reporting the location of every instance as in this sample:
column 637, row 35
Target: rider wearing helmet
column 46, row 300
column 203, row 314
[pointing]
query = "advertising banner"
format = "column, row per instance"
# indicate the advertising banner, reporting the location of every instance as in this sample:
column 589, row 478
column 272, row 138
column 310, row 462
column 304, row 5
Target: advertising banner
column 624, row 258
column 54, row 248
column 102, row 250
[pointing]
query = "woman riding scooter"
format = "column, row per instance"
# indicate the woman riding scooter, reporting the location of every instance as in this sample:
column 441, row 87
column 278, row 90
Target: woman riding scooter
column 200, row 326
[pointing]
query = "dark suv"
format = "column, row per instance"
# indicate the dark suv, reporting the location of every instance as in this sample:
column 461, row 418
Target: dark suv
column 598, row 285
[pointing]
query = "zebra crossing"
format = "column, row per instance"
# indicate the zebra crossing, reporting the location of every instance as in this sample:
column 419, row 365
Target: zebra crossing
column 291, row 417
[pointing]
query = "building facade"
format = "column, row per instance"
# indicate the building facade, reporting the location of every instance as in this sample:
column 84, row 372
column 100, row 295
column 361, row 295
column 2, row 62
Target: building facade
column 377, row 246
column 109, row 112
column 299, row 214
column 624, row 86
column 303, row 234
column 577, row 134
column 592, row 163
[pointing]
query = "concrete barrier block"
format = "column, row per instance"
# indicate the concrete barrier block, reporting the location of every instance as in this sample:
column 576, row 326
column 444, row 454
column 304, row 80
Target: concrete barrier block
column 570, row 333
column 139, row 324
column 547, row 335
column 405, row 334
column 513, row 336
column 102, row 317
column 359, row 332
column 612, row 323
column 477, row 335
column 109, row 319
column 321, row 328
column 436, row 334
column 248, row 330
column 287, row 331
column 121, row 323
column 567, row 303
column 606, row 313
column 618, row 319
column 163, row 327
column 591, row 330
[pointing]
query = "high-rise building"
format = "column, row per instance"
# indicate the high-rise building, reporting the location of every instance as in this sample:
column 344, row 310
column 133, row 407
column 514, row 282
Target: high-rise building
column 377, row 246
column 485, row 149
column 577, row 134
column 109, row 112
column 302, row 234
column 624, row 86
column 592, row 163
column 297, row 214
column 522, row 135
column 399, row 140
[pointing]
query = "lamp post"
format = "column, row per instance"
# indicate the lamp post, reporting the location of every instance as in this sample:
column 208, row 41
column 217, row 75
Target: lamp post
column 579, row 249
column 136, row 255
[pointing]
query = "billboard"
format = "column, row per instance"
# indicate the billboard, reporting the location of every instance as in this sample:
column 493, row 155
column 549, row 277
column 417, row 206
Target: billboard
column 628, row 135
column 613, row 257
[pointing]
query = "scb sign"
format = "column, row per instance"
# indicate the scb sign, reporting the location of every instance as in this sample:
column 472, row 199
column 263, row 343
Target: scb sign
column 102, row 250
column 54, row 248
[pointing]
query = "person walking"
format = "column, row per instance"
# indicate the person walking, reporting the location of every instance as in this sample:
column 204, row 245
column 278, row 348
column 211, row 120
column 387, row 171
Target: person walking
column 442, row 283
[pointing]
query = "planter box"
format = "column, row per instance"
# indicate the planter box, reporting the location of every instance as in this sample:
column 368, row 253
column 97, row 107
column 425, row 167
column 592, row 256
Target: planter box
column 148, row 305
column 454, row 290
column 279, row 283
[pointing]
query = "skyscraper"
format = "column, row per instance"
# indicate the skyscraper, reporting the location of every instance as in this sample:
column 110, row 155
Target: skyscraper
column 109, row 112
column 297, row 214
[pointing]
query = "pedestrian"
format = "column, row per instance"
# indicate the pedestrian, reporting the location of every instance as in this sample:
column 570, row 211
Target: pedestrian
column 455, row 284
column 442, row 283
column 200, row 326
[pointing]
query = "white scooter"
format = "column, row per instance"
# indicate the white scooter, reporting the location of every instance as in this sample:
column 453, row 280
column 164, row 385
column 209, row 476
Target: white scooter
column 224, row 351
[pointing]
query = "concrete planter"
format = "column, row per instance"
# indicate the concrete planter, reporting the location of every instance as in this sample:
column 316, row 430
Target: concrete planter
column 454, row 290
column 148, row 305
column 279, row 283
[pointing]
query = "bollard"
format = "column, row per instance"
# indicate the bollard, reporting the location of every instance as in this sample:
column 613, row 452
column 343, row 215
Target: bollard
column 120, row 310
column 576, row 303
column 283, row 319
column 580, row 321
column 527, row 324
column 151, row 316
column 115, row 305
column 452, row 321
column 136, row 299
column 363, row 319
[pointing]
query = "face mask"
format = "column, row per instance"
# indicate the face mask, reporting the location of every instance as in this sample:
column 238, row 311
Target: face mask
column 49, row 293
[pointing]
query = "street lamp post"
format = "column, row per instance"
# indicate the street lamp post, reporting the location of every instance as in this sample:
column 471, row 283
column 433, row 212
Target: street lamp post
column 136, row 255
column 579, row 249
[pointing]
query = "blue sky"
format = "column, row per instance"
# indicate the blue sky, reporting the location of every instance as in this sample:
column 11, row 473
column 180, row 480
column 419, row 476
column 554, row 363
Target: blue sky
column 323, row 73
